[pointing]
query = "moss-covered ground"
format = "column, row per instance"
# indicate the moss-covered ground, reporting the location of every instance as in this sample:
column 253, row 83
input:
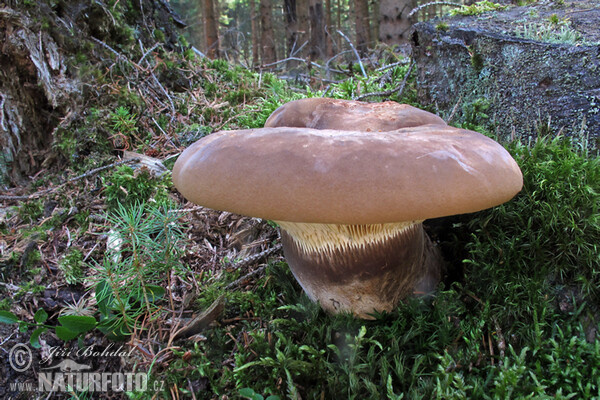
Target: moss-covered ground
column 119, row 257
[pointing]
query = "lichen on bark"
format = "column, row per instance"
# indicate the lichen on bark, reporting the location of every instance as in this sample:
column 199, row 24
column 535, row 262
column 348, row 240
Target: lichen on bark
column 525, row 84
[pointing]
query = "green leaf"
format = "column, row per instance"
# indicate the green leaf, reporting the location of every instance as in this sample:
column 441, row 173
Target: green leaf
column 78, row 323
column 7, row 317
column 154, row 292
column 65, row 334
column 40, row 316
column 250, row 394
column 34, row 340
column 246, row 392
column 104, row 296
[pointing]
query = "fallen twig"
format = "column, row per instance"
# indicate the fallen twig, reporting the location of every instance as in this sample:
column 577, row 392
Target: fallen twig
column 454, row 109
column 433, row 3
column 78, row 177
column 362, row 68
column 250, row 260
column 202, row 321
column 392, row 65
column 314, row 64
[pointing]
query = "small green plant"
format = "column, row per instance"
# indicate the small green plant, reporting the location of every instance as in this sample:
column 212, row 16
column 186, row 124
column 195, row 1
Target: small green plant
column 31, row 211
column 66, row 143
column 476, row 114
column 123, row 126
column 143, row 246
column 442, row 26
column 70, row 326
column 554, row 19
column 71, row 266
column 556, row 30
column 123, row 120
column 250, row 394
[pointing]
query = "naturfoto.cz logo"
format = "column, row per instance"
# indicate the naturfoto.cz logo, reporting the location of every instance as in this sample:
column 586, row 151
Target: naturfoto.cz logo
column 69, row 375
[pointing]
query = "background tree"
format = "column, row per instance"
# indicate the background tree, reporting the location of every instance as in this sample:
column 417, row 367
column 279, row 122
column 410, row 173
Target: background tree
column 299, row 28
column 302, row 9
column 317, row 30
column 267, row 39
column 211, row 28
column 394, row 23
column 291, row 25
column 254, row 29
column 363, row 32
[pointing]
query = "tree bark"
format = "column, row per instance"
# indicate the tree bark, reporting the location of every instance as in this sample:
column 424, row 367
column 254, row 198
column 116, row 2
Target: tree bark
column 394, row 23
column 43, row 99
column 303, row 36
column 338, row 25
column 362, row 25
column 317, row 30
column 374, row 20
column 267, row 41
column 254, row 23
column 291, row 26
column 211, row 29
column 329, row 29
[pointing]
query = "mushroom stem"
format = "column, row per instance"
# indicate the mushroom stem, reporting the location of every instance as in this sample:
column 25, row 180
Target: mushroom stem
column 361, row 268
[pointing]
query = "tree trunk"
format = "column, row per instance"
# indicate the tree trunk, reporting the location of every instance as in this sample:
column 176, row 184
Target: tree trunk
column 362, row 25
column 338, row 26
column 267, row 41
column 291, row 26
column 374, row 20
column 394, row 23
column 317, row 30
column 303, row 35
column 254, row 23
column 330, row 30
column 211, row 28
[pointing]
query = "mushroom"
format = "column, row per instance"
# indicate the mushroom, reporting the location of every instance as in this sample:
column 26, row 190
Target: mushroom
column 350, row 204
column 348, row 115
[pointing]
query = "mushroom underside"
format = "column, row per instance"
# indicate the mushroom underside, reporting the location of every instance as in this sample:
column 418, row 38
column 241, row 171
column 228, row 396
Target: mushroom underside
column 361, row 269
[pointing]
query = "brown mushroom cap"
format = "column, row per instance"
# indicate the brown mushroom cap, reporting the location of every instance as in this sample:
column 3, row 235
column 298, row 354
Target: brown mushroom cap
column 325, row 113
column 347, row 177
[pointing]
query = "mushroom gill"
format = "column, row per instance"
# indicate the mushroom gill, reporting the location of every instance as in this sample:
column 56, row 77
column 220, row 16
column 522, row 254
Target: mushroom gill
column 360, row 268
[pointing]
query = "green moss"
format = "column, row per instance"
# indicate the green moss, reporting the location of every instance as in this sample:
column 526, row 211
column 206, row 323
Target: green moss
column 71, row 266
column 159, row 35
column 442, row 26
column 126, row 186
column 476, row 61
column 477, row 8
column 31, row 211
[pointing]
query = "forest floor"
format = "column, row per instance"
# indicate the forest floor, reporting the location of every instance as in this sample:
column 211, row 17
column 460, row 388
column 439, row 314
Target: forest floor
column 103, row 263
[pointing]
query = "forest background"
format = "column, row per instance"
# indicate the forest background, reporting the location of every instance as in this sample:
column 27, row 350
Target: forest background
column 97, row 100
column 261, row 32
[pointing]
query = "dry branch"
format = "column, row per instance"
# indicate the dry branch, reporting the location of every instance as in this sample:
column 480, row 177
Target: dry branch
column 362, row 68
column 433, row 3
column 78, row 177
column 250, row 260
